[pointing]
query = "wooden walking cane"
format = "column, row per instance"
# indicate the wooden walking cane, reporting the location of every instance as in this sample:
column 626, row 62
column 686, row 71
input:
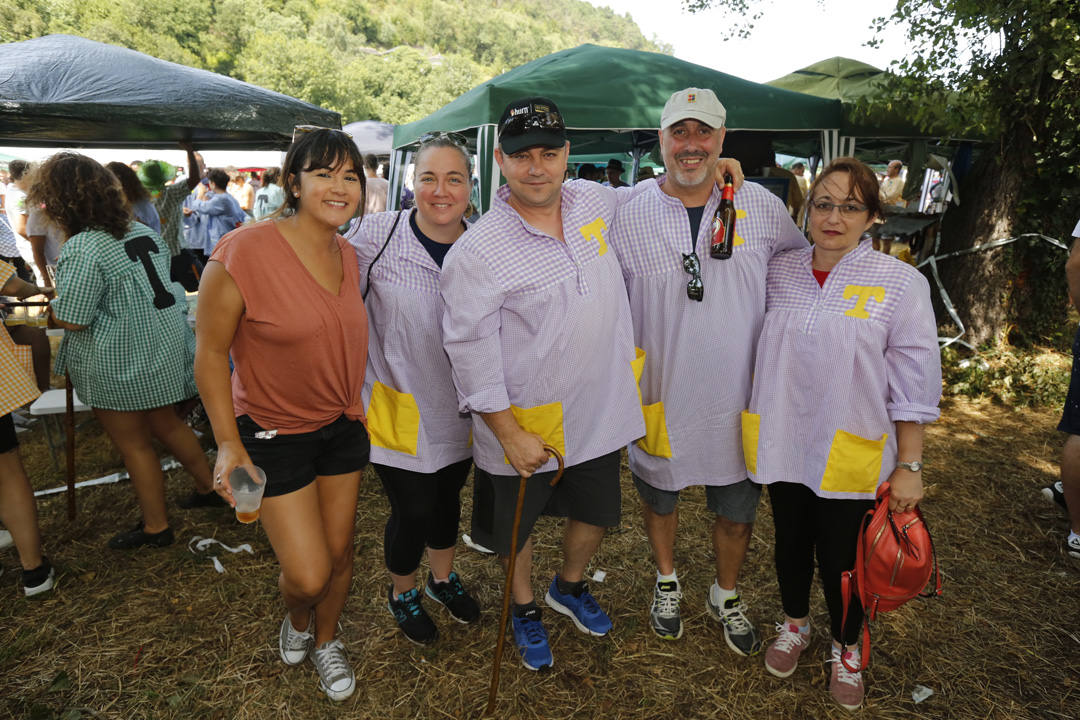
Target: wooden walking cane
column 494, row 690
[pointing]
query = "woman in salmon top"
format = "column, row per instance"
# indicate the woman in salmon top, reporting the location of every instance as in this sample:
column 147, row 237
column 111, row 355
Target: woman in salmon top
column 282, row 298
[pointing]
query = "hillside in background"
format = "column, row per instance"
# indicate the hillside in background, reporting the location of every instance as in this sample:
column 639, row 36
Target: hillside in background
column 390, row 60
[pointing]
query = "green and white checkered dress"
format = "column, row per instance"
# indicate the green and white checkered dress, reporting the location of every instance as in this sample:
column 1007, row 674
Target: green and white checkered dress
column 137, row 350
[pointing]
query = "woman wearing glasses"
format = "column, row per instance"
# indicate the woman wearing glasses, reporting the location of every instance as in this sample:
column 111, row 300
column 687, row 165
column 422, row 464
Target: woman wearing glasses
column 847, row 373
column 420, row 444
column 282, row 297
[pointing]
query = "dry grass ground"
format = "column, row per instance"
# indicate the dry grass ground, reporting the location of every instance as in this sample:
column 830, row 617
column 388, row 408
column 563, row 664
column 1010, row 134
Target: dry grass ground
column 160, row 634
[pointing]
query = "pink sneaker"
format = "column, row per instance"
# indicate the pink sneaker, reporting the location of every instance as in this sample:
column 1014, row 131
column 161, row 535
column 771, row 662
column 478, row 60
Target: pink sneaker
column 845, row 686
column 782, row 657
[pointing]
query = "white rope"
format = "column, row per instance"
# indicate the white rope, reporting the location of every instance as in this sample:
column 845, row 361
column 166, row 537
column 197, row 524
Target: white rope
column 932, row 261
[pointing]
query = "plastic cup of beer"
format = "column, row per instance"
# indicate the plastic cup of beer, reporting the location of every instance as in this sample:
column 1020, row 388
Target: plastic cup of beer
column 248, row 483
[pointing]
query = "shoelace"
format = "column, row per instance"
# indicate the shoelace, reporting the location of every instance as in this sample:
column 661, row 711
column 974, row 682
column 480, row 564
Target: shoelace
column 788, row 640
column 453, row 585
column 411, row 601
column 330, row 660
column 667, row 601
column 734, row 619
column 842, row 673
column 297, row 640
column 534, row 631
column 589, row 602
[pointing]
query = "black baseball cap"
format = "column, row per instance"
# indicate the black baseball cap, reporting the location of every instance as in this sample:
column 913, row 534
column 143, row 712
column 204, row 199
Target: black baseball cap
column 531, row 122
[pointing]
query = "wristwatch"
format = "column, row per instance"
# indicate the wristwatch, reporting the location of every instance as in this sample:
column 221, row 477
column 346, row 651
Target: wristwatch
column 915, row 466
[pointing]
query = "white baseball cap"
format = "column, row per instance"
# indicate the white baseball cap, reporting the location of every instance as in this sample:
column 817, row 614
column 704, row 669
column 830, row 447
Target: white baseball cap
column 693, row 104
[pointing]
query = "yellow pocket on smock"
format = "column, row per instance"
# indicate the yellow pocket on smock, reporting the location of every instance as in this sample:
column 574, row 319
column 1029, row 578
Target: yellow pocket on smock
column 393, row 419
column 854, row 464
column 655, row 441
column 638, row 366
column 544, row 420
column 751, row 426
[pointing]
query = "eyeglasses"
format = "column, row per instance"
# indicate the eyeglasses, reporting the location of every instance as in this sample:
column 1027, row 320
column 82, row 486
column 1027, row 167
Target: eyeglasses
column 846, row 209
column 695, row 289
column 456, row 138
column 304, row 129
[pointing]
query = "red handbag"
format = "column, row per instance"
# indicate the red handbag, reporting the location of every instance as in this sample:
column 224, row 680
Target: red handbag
column 894, row 562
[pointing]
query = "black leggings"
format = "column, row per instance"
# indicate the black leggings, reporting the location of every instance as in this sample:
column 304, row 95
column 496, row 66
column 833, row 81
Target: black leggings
column 805, row 523
column 424, row 512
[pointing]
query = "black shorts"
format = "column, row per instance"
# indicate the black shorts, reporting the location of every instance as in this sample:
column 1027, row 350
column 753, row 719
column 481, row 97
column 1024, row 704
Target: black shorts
column 1070, row 415
column 7, row 434
column 589, row 492
column 291, row 462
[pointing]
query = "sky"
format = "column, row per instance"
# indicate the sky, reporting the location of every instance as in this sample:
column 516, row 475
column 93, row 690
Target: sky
column 790, row 35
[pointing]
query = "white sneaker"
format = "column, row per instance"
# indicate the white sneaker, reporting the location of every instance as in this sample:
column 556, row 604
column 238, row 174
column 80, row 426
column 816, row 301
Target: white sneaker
column 336, row 676
column 294, row 645
column 1072, row 546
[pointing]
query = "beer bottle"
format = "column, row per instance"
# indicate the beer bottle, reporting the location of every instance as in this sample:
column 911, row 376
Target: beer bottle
column 723, row 224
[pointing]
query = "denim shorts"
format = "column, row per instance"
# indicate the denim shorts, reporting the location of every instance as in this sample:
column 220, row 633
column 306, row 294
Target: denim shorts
column 291, row 462
column 737, row 502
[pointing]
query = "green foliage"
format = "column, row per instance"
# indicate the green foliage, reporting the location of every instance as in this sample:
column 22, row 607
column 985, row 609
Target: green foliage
column 1007, row 71
column 391, row 60
column 1020, row 378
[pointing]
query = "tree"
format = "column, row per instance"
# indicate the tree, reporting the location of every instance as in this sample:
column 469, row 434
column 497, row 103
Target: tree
column 1009, row 70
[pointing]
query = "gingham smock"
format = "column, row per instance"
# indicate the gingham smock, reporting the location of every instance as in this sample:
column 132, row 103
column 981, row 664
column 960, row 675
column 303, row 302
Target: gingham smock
column 698, row 355
column 542, row 327
column 17, row 383
column 132, row 355
column 412, row 409
column 837, row 366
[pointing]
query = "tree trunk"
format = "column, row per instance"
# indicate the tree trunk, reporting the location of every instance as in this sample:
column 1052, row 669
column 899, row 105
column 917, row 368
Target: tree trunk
column 981, row 284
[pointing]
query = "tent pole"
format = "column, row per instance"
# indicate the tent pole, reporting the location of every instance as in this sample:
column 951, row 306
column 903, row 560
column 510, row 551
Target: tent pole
column 636, row 153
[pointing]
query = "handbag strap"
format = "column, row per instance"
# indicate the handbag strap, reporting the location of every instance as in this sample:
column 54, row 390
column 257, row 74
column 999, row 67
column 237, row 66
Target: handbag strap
column 367, row 282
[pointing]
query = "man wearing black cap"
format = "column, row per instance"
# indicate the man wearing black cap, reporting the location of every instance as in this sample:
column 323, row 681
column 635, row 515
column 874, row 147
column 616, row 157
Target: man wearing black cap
column 537, row 327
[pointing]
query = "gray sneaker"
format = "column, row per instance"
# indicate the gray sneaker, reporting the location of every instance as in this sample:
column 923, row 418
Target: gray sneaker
column 336, row 677
column 739, row 633
column 664, row 614
column 1072, row 547
column 294, row 645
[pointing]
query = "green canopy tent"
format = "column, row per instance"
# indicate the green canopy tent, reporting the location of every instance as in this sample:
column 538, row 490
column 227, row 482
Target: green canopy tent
column 611, row 100
column 871, row 120
column 874, row 128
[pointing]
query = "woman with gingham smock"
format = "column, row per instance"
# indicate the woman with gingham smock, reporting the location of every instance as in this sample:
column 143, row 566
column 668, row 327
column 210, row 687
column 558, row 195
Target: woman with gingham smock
column 128, row 347
column 847, row 373
column 420, row 444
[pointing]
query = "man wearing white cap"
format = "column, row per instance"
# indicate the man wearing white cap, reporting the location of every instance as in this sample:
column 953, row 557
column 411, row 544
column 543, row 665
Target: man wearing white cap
column 697, row 318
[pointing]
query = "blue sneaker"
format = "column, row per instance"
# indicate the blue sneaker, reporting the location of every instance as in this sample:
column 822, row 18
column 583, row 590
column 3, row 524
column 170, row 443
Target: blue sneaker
column 582, row 608
column 532, row 640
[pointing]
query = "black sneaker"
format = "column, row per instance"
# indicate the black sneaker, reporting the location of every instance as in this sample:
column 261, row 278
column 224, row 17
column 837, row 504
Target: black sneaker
column 137, row 537
column 201, row 500
column 38, row 580
column 454, row 597
column 1055, row 493
column 411, row 616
